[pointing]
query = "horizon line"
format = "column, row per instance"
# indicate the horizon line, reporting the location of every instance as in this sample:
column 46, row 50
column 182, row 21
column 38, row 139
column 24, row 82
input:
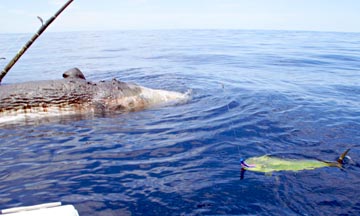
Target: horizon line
column 185, row 29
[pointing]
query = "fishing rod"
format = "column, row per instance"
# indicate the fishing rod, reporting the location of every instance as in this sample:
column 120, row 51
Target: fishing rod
column 32, row 40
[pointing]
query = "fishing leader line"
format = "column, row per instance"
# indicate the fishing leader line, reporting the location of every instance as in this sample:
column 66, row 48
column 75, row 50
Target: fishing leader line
column 231, row 121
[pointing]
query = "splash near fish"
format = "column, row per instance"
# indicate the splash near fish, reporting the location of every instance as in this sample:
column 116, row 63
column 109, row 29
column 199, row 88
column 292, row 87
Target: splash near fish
column 269, row 164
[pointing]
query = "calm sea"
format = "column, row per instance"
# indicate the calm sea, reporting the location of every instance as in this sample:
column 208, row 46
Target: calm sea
column 288, row 93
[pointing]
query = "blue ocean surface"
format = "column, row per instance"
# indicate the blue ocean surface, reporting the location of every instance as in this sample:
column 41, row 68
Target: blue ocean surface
column 294, row 94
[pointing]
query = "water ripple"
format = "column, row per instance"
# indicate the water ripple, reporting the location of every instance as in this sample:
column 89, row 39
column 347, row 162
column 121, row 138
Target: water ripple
column 292, row 94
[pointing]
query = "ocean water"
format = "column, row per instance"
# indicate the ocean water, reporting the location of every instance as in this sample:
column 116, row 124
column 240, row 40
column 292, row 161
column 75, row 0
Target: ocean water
column 286, row 93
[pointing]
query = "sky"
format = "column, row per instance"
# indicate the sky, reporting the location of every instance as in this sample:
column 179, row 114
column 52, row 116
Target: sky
column 19, row 16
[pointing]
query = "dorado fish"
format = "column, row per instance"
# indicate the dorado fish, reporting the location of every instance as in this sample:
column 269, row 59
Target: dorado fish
column 269, row 164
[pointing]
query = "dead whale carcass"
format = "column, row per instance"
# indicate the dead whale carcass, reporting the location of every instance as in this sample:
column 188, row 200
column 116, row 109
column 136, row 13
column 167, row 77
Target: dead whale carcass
column 75, row 95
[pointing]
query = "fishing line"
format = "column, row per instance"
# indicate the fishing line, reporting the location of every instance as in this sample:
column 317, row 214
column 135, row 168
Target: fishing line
column 232, row 127
column 231, row 121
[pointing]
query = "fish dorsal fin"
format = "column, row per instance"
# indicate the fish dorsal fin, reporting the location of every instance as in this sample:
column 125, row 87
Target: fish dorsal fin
column 340, row 160
column 74, row 73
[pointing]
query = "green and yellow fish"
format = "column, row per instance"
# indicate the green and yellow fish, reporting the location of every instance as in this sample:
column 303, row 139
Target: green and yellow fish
column 269, row 164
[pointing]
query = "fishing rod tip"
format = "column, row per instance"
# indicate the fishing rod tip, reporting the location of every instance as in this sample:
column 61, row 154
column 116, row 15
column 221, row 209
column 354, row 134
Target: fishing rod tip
column 41, row 20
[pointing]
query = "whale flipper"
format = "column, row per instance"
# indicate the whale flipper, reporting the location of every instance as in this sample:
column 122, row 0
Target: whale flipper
column 74, row 73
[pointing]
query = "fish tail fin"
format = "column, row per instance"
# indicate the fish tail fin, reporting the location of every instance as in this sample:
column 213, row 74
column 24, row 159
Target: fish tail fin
column 340, row 160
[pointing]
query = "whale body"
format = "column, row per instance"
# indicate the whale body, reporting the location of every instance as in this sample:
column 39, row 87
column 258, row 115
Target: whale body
column 75, row 95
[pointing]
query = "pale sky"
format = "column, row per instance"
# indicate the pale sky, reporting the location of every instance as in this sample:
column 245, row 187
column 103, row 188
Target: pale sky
column 88, row 15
